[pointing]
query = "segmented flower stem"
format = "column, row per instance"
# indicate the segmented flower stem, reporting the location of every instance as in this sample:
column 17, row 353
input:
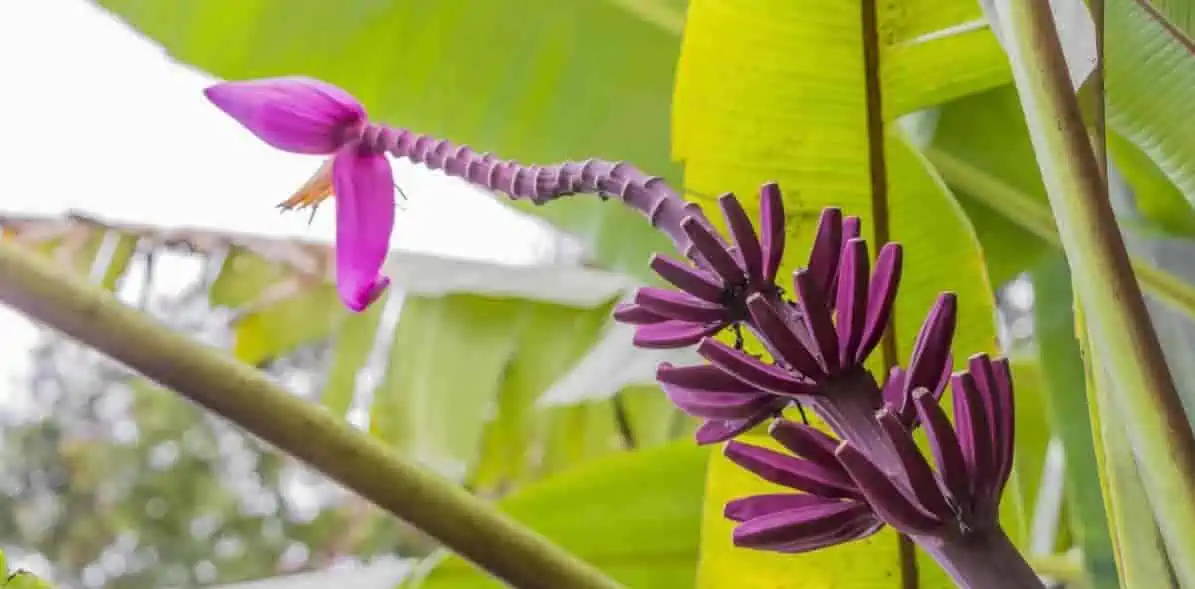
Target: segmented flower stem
column 540, row 184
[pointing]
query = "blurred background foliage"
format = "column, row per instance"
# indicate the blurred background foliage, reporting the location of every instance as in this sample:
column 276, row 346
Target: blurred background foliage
column 554, row 403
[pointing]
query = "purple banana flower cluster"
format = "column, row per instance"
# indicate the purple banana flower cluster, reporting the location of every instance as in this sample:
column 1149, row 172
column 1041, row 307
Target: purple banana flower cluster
column 846, row 487
column 845, row 484
column 843, row 492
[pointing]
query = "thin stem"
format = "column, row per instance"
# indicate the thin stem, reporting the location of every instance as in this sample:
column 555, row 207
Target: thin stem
column 878, row 170
column 1122, row 336
column 463, row 523
column 622, row 418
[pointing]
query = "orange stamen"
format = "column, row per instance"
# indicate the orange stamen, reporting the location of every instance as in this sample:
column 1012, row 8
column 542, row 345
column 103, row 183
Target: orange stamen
column 314, row 191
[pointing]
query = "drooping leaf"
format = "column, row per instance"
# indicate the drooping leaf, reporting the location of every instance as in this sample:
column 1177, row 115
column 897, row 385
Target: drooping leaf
column 580, row 433
column 634, row 515
column 552, row 338
column 463, row 376
column 1066, row 388
column 1032, row 433
column 100, row 253
column 447, row 361
column 536, row 81
column 652, row 418
column 283, row 309
column 355, row 338
column 310, row 314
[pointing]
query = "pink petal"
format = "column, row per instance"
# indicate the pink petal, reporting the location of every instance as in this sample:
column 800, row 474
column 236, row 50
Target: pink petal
column 364, row 187
column 295, row 114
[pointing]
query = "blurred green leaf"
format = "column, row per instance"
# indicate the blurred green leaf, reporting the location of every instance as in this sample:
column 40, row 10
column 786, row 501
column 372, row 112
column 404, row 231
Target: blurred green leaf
column 551, row 340
column 536, row 81
column 448, row 358
column 243, row 276
column 579, row 433
column 283, row 309
column 463, row 377
column 26, row 580
column 1005, row 153
column 1066, row 387
column 1033, row 430
column 1150, row 85
column 634, row 515
column 85, row 247
column 1159, row 203
column 310, row 314
column 122, row 248
column 354, row 340
column 652, row 417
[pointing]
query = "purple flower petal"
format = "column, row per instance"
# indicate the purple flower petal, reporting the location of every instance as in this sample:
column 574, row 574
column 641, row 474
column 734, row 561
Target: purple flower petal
column 633, row 314
column 887, row 500
column 804, row 527
column 975, row 436
column 863, row 526
column 752, row 370
column 782, row 341
column 364, row 187
column 881, row 296
column 295, row 114
column 932, row 347
column 852, row 228
column 771, row 228
column 689, row 279
column 745, row 239
column 827, row 246
column 714, row 250
column 673, row 334
column 993, row 380
column 1005, row 410
column 724, row 406
column 806, row 441
column 679, row 305
column 852, row 293
column 703, row 377
column 818, row 319
column 944, row 444
column 920, row 476
column 794, row 473
column 716, row 431
column 741, row 510
column 897, row 396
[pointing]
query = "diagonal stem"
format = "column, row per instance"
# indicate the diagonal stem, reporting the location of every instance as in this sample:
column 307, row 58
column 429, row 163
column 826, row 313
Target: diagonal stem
column 462, row 522
column 1123, row 339
column 1034, row 216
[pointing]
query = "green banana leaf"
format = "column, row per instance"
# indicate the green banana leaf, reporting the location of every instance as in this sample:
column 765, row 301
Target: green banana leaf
column 634, row 515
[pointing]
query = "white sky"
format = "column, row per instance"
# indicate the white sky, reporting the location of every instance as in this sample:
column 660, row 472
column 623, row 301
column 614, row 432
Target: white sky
column 97, row 119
